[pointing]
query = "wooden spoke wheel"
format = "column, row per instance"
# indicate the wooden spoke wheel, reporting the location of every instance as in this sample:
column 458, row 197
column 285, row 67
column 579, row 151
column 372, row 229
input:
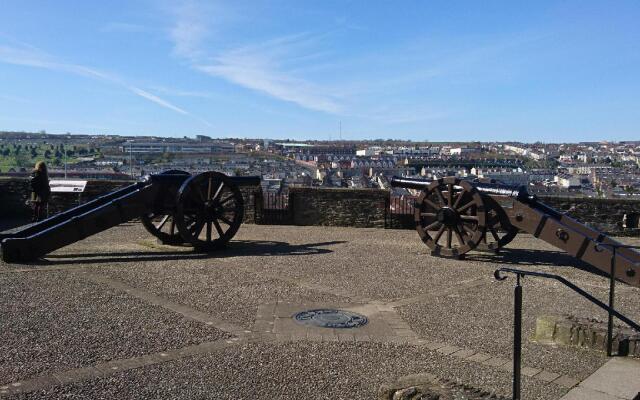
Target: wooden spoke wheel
column 499, row 231
column 450, row 217
column 163, row 226
column 209, row 210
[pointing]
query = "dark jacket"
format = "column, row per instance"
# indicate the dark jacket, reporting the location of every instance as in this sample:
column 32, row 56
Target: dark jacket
column 39, row 187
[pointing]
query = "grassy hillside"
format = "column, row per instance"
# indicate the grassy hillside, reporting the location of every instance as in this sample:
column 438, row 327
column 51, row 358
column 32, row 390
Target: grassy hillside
column 16, row 155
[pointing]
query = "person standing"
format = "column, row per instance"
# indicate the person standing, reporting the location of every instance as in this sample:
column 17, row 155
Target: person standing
column 40, row 190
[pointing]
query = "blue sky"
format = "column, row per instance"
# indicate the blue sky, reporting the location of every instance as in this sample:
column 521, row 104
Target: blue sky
column 421, row 70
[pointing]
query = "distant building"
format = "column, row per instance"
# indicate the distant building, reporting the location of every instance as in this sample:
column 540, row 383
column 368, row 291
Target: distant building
column 568, row 181
column 458, row 151
column 177, row 147
column 510, row 176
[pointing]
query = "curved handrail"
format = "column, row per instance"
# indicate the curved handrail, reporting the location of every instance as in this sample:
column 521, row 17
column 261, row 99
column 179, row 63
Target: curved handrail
column 570, row 285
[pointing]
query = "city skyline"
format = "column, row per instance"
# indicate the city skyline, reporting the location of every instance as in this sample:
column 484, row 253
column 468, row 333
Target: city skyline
column 539, row 72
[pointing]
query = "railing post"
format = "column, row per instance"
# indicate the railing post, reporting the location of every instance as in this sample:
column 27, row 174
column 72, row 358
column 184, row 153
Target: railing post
column 292, row 215
column 612, row 289
column 517, row 338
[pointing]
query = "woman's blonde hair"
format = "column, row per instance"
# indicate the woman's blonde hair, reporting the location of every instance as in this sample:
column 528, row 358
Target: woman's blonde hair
column 40, row 166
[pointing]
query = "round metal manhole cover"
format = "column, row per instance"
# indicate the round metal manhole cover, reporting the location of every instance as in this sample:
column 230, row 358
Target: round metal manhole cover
column 328, row 318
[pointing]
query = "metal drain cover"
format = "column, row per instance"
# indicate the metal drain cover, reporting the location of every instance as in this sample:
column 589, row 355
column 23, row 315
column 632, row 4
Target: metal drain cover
column 329, row 318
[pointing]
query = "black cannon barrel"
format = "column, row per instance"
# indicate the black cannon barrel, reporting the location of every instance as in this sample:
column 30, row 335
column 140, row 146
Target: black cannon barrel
column 497, row 189
column 500, row 189
column 410, row 183
column 181, row 177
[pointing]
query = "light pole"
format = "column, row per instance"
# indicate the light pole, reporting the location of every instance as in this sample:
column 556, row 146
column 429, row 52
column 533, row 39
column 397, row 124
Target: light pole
column 131, row 158
column 64, row 151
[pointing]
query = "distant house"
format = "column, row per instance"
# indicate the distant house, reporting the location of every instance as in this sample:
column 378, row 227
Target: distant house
column 568, row 181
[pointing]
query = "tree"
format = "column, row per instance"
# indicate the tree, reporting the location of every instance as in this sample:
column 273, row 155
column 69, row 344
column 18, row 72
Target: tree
column 47, row 154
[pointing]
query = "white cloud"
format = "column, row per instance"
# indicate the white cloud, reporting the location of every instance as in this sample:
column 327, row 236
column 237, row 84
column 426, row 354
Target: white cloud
column 31, row 57
column 156, row 99
column 189, row 30
column 257, row 72
column 253, row 67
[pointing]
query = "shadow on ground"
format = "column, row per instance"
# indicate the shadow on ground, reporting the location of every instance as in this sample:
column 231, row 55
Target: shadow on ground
column 530, row 257
column 236, row 248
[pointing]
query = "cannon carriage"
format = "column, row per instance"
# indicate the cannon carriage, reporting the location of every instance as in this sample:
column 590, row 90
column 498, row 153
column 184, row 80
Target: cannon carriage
column 454, row 216
column 204, row 211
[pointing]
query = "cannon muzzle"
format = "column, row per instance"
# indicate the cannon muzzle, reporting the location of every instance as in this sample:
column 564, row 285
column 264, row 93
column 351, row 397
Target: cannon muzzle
column 410, row 183
column 495, row 189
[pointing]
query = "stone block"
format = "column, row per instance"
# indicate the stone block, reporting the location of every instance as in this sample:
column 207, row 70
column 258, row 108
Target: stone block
column 496, row 362
column 600, row 340
column 530, row 371
column 566, row 381
column 448, row 350
column 479, row 357
column 545, row 328
column 547, row 376
column 465, row 353
column 563, row 333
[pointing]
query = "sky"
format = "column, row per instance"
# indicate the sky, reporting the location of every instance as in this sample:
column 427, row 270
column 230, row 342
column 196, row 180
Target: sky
column 552, row 71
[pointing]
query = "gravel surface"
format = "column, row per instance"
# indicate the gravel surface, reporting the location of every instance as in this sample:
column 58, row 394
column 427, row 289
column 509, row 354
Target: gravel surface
column 217, row 288
column 57, row 320
column 291, row 371
column 482, row 319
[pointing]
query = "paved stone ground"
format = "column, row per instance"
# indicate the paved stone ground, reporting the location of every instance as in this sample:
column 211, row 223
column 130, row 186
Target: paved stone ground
column 119, row 316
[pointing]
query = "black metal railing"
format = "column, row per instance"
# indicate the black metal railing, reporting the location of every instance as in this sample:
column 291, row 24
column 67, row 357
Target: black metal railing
column 517, row 319
column 275, row 209
column 612, row 287
column 399, row 213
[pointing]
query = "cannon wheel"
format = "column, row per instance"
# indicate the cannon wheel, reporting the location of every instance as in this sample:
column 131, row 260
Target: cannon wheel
column 453, row 208
column 163, row 226
column 210, row 210
column 499, row 231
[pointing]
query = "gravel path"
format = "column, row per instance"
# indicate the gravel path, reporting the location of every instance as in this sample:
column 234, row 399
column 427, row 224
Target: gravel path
column 217, row 288
column 56, row 321
column 292, row 371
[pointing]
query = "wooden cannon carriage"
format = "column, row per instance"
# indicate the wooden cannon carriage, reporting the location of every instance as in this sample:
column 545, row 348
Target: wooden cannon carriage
column 203, row 210
column 455, row 216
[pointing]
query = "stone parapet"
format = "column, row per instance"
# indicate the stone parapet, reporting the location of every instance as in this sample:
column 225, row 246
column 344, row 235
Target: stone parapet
column 606, row 215
column 585, row 332
column 367, row 208
column 16, row 192
column 360, row 208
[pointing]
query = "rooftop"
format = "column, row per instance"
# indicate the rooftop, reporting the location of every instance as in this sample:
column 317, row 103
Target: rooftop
column 120, row 316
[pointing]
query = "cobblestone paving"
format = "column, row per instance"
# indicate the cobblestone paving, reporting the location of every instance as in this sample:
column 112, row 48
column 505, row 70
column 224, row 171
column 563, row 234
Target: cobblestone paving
column 116, row 318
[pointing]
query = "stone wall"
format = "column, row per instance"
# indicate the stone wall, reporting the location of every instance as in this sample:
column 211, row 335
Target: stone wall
column 605, row 215
column 14, row 194
column 612, row 216
column 338, row 207
column 361, row 208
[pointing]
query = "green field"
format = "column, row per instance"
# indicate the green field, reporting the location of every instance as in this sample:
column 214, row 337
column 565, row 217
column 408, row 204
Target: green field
column 18, row 155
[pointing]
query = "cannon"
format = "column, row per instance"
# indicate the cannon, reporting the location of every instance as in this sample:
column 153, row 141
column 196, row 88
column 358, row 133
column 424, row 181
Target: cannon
column 204, row 211
column 454, row 216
